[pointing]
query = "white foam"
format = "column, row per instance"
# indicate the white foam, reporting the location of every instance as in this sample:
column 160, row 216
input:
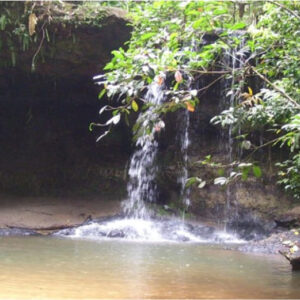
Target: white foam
column 134, row 229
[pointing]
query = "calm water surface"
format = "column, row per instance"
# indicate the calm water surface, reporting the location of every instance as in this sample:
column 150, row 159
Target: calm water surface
column 51, row 268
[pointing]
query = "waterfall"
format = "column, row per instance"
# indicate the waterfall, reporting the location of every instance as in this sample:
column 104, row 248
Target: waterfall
column 235, row 60
column 141, row 187
column 138, row 222
column 184, row 145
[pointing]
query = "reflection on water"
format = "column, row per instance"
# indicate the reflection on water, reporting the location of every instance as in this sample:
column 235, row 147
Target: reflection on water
column 43, row 268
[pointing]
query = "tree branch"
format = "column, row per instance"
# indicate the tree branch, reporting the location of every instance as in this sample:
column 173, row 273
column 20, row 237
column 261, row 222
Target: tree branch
column 210, row 72
column 285, row 8
column 283, row 93
column 212, row 83
column 39, row 47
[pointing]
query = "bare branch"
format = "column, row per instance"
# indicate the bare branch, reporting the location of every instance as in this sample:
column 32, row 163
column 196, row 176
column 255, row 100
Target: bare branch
column 212, row 83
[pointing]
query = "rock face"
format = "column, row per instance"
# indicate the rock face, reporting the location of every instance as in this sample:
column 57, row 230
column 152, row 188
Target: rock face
column 46, row 145
column 290, row 218
column 253, row 208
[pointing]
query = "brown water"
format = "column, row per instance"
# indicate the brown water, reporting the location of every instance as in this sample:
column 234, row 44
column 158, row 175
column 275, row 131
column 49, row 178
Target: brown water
column 52, row 268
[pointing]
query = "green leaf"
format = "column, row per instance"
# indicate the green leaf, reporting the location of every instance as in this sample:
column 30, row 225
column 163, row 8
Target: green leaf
column 257, row 171
column 101, row 94
column 147, row 36
column 126, row 120
column 237, row 26
column 218, row 12
column 197, row 24
column 115, row 112
column 191, row 181
column 109, row 66
column 245, row 173
column 134, row 106
column 91, row 126
column 117, row 54
column 176, row 86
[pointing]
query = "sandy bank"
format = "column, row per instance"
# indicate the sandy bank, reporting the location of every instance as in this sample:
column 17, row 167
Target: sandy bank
column 42, row 213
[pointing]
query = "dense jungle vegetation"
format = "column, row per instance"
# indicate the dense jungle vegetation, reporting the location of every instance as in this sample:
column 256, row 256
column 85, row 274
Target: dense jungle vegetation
column 261, row 40
column 256, row 49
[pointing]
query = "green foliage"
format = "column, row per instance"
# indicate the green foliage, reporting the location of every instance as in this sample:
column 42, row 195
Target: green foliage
column 168, row 43
column 289, row 176
column 192, row 180
column 13, row 30
column 275, row 106
column 168, row 47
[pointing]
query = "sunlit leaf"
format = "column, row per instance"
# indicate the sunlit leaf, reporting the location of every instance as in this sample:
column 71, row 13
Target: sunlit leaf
column 101, row 94
column 189, row 106
column 202, row 184
column 114, row 120
column 32, row 21
column 147, row 36
column 134, row 105
column 250, row 91
column 102, row 109
column 221, row 180
column 102, row 136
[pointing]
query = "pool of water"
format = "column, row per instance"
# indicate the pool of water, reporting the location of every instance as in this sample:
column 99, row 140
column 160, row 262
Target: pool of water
column 52, row 268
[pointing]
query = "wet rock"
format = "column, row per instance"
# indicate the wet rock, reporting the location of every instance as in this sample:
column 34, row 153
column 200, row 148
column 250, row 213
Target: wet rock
column 290, row 218
column 286, row 243
column 203, row 231
column 293, row 257
column 179, row 238
column 116, row 233
column 14, row 231
column 65, row 232
column 249, row 226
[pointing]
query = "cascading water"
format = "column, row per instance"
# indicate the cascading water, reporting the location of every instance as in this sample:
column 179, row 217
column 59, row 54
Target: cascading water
column 233, row 59
column 142, row 170
column 184, row 145
column 138, row 224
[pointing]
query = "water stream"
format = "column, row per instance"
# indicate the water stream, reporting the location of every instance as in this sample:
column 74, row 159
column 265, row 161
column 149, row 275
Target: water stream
column 141, row 187
column 184, row 145
column 55, row 268
column 233, row 59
